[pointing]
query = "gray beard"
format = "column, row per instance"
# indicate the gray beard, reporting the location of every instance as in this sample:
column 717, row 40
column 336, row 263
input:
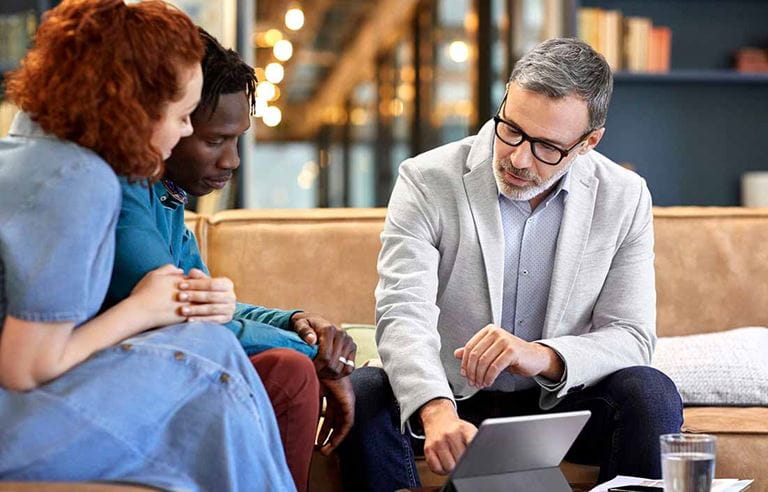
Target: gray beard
column 523, row 193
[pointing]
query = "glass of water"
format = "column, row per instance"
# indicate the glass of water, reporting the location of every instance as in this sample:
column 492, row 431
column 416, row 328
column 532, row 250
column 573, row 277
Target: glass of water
column 688, row 462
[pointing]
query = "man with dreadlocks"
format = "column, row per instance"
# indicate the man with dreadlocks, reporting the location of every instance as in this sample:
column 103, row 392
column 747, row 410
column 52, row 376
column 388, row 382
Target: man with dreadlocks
column 282, row 344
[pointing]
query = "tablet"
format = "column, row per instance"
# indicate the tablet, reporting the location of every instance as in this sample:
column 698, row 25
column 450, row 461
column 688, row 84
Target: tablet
column 516, row 444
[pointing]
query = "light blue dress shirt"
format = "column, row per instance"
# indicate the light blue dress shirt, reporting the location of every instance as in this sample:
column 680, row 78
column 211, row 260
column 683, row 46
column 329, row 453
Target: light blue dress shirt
column 179, row 408
column 530, row 242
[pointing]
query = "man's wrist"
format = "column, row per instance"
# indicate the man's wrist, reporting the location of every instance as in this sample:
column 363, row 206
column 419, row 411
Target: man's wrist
column 553, row 364
column 436, row 409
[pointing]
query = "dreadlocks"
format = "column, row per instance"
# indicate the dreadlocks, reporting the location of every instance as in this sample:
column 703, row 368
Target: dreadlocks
column 224, row 72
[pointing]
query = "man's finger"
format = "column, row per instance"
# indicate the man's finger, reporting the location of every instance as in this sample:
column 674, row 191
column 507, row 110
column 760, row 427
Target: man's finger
column 456, row 445
column 305, row 331
column 501, row 362
column 484, row 365
column 473, row 358
column 468, row 348
column 340, row 430
column 468, row 433
column 446, row 458
column 350, row 365
column 433, row 461
column 324, row 350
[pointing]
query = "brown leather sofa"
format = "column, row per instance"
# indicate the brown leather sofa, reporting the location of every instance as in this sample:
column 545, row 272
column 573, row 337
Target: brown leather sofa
column 711, row 269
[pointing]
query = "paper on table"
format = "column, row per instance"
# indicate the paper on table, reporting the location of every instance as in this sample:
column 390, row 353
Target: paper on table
column 719, row 485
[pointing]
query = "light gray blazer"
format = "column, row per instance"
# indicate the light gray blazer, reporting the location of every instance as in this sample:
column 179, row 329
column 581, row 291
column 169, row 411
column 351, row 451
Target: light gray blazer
column 441, row 270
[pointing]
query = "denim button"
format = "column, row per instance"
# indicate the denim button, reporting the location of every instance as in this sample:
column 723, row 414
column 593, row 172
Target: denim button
column 224, row 378
column 126, row 346
column 178, row 355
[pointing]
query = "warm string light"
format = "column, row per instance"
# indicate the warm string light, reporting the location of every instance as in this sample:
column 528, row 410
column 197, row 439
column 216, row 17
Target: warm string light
column 294, row 19
column 282, row 49
column 274, row 72
column 458, row 51
column 272, row 116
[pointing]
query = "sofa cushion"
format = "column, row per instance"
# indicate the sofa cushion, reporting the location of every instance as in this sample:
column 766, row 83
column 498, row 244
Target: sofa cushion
column 365, row 339
column 711, row 266
column 321, row 260
column 726, row 368
column 726, row 420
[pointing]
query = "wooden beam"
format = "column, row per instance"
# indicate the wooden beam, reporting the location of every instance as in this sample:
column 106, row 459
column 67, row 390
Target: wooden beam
column 385, row 25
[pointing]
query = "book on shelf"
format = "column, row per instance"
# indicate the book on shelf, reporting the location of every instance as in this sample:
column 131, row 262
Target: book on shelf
column 628, row 43
column 602, row 29
column 752, row 60
column 637, row 40
column 659, row 49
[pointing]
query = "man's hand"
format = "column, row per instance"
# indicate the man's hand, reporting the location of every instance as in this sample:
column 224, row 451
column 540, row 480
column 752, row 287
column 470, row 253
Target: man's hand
column 334, row 346
column 339, row 413
column 447, row 435
column 493, row 349
column 211, row 299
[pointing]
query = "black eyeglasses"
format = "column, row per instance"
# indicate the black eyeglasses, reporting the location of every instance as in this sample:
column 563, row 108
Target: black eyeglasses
column 544, row 151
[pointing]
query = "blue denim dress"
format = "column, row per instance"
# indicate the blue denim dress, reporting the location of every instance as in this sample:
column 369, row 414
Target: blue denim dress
column 180, row 408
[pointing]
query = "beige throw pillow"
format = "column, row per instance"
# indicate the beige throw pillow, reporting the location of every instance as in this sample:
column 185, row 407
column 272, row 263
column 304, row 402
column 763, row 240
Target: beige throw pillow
column 723, row 368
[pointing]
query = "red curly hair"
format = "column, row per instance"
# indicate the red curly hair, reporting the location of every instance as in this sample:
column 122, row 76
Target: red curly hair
column 101, row 73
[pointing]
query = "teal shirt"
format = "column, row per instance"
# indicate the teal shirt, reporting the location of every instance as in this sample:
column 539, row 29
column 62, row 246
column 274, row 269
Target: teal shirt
column 151, row 233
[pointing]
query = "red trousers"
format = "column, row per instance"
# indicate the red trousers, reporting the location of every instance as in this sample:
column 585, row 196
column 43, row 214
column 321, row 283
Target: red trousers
column 291, row 383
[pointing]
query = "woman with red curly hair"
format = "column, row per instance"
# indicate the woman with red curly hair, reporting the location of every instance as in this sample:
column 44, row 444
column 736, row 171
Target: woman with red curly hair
column 108, row 90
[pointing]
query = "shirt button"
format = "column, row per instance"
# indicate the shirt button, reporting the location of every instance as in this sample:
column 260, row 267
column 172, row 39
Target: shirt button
column 224, row 378
column 178, row 355
column 126, row 346
column 525, row 272
column 520, row 322
column 163, row 198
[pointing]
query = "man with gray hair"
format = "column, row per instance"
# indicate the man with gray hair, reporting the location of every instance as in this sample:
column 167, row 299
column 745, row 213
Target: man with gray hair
column 516, row 277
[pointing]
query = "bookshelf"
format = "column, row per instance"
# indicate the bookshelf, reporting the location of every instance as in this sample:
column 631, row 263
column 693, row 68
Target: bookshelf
column 694, row 130
column 692, row 77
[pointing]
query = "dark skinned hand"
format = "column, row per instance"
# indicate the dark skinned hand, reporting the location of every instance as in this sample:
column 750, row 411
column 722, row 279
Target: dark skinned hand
column 334, row 345
column 339, row 413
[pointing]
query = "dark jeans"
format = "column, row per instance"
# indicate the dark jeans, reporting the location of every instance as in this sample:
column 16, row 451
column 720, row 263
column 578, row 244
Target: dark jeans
column 630, row 409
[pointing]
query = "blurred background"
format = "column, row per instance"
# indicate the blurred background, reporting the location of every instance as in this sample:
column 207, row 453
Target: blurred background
column 351, row 88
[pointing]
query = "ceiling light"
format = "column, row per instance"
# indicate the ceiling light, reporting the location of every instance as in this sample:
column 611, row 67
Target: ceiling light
column 265, row 91
column 283, row 50
column 272, row 116
column 458, row 51
column 276, row 96
column 294, row 19
column 272, row 37
column 261, row 106
column 274, row 72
